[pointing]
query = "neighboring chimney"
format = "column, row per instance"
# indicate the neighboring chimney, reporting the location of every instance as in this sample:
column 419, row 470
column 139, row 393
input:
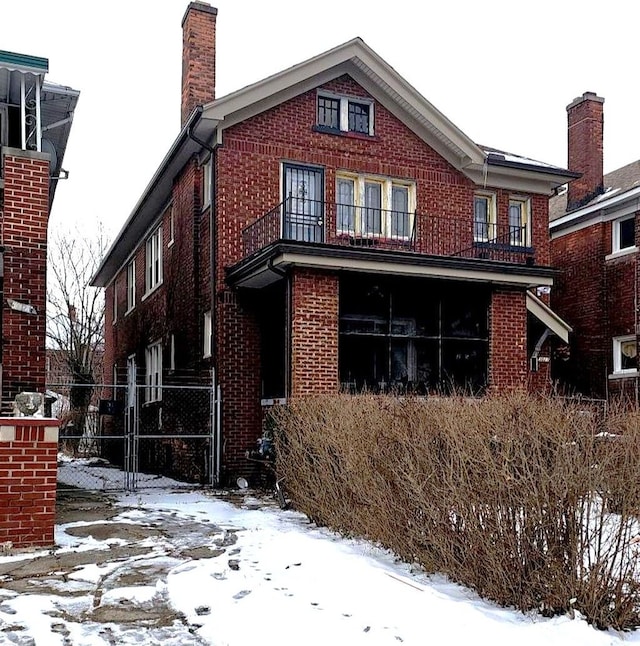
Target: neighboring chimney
column 198, row 57
column 585, row 128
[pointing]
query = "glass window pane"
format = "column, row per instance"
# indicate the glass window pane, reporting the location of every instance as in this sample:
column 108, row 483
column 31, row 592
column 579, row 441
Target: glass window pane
column 481, row 218
column 628, row 350
column 400, row 214
column 372, row 216
column 345, row 205
column 359, row 117
column 329, row 112
column 627, row 233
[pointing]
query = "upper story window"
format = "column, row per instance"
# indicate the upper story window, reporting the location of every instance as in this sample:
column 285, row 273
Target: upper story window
column 624, row 234
column 153, row 366
column 131, row 285
column 207, row 335
column 153, row 269
column 115, row 302
column 206, row 183
column 625, row 349
column 519, row 222
column 172, row 227
column 374, row 206
column 484, row 217
column 345, row 114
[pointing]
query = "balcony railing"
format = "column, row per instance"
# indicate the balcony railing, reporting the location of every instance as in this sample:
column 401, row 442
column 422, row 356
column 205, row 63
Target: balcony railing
column 312, row 221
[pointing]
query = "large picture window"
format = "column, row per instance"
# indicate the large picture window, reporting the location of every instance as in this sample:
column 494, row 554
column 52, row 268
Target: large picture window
column 412, row 336
column 374, row 207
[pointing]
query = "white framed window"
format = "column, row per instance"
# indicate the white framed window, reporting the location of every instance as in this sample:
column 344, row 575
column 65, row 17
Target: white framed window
column 519, row 222
column 153, row 366
column 131, row 285
column 206, row 334
column 132, row 380
column 624, row 234
column 206, row 183
column 374, row 206
column 172, row 227
column 115, row 302
column 484, row 217
column 153, row 260
column 172, row 356
column 346, row 114
column 625, row 349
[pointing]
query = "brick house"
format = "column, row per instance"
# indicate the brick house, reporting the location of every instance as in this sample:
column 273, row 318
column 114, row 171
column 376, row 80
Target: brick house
column 35, row 120
column 594, row 241
column 328, row 228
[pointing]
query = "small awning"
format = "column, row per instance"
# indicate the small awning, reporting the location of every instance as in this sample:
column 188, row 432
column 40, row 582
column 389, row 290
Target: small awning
column 548, row 317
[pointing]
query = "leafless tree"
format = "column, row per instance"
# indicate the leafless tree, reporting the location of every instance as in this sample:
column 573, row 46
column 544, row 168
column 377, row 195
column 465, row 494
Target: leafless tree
column 75, row 310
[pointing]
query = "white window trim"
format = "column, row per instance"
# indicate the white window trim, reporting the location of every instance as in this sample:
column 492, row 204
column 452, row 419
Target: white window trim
column 153, row 372
column 131, row 286
column 172, row 227
column 172, row 357
column 526, row 208
column 387, row 203
column 206, row 183
column 207, row 335
column 149, row 288
column 617, row 356
column 114, row 303
column 344, row 110
column 132, row 380
column 491, row 214
column 615, row 237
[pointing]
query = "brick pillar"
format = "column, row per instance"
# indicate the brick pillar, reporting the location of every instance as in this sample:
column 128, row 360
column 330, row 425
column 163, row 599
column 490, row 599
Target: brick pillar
column 24, row 234
column 28, row 472
column 314, row 337
column 508, row 340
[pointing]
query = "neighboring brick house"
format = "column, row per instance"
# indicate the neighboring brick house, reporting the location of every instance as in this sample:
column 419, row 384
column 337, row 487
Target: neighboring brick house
column 594, row 240
column 356, row 237
column 35, row 120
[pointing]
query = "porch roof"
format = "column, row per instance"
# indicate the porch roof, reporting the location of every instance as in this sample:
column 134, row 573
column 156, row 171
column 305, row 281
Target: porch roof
column 271, row 264
column 548, row 317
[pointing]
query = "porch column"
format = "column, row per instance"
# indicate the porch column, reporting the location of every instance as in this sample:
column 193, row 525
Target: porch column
column 508, row 340
column 314, row 332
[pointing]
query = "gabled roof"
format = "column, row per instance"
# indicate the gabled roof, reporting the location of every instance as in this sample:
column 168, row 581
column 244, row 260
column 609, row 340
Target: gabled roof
column 384, row 84
column 620, row 186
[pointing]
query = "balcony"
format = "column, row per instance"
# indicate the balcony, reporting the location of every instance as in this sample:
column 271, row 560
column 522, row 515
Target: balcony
column 345, row 225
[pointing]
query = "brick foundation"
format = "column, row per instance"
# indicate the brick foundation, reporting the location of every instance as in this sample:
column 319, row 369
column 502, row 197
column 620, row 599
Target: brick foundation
column 28, row 472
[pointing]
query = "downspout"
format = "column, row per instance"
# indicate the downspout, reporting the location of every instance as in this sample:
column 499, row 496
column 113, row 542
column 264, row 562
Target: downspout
column 217, row 448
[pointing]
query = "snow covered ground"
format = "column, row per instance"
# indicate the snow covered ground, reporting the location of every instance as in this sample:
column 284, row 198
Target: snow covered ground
column 178, row 567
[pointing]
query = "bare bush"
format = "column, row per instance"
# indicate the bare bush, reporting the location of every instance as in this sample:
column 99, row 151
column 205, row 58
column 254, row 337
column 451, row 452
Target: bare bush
column 529, row 501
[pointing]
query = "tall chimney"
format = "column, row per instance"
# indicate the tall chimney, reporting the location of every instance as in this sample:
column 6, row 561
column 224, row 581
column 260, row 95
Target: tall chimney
column 585, row 131
column 198, row 57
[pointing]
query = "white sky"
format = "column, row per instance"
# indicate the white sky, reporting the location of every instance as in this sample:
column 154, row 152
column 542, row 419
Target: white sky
column 502, row 71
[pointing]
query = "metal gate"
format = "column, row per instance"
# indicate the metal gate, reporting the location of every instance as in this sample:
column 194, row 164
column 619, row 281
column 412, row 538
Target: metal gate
column 132, row 436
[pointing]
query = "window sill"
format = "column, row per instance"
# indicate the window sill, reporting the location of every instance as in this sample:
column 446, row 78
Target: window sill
column 151, row 291
column 621, row 253
column 170, row 244
column 344, row 133
column 629, row 374
column 130, row 310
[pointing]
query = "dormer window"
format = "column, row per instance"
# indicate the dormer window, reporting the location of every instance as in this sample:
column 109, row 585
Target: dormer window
column 345, row 114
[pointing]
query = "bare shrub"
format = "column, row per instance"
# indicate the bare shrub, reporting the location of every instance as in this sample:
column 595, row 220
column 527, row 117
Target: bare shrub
column 530, row 501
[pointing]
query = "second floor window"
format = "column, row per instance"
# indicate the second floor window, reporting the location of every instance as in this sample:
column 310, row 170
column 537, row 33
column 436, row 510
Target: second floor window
column 153, row 269
column 374, row 207
column 519, row 222
column 131, row 285
column 484, row 217
column 624, row 234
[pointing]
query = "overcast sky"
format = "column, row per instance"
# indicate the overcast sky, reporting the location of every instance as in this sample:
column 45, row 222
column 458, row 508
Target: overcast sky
column 502, row 71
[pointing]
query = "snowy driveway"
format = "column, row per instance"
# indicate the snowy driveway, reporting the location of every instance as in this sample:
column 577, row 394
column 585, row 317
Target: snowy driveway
column 177, row 568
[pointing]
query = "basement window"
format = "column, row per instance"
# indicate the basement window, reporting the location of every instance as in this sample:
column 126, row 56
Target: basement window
column 345, row 114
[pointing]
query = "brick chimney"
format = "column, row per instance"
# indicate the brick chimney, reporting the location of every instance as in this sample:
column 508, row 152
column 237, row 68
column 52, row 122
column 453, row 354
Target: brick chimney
column 585, row 129
column 198, row 57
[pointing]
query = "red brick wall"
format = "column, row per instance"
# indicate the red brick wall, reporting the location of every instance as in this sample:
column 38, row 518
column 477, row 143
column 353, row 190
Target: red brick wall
column 28, row 471
column 579, row 298
column 314, row 338
column 25, row 215
column 508, row 340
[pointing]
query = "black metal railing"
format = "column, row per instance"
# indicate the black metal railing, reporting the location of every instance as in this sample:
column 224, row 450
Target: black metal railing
column 314, row 221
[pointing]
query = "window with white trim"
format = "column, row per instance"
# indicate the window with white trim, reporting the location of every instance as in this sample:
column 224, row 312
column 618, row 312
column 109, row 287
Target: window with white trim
column 345, row 114
column 484, row 217
column 172, row 227
column 115, row 302
column 207, row 335
column 519, row 222
column 625, row 350
column 206, row 183
column 374, row 206
column 172, row 357
column 153, row 367
column 131, row 381
column 624, row 234
column 153, row 269
column 131, row 285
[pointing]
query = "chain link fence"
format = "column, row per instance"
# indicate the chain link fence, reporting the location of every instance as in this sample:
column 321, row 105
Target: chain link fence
column 136, row 436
